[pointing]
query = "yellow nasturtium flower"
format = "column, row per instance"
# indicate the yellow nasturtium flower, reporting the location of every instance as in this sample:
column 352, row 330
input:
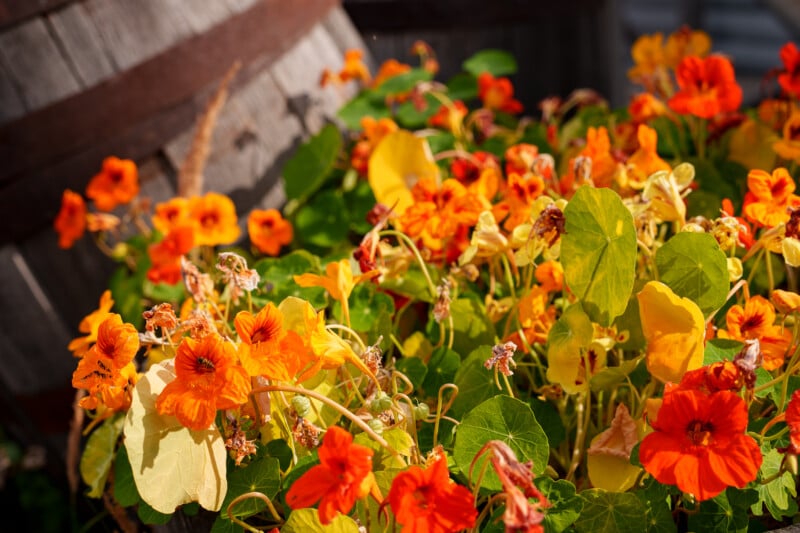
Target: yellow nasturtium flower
column 396, row 164
column 674, row 328
column 338, row 281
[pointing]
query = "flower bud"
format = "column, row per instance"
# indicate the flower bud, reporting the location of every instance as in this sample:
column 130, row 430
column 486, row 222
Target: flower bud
column 380, row 403
column 790, row 463
column 376, row 425
column 421, row 411
column 301, row 405
column 120, row 251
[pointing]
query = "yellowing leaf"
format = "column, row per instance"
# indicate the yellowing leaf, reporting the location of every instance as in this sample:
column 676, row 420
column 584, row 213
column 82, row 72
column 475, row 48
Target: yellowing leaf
column 568, row 339
column 674, row 329
column 307, row 521
column 399, row 160
column 171, row 464
column 751, row 145
column 98, row 454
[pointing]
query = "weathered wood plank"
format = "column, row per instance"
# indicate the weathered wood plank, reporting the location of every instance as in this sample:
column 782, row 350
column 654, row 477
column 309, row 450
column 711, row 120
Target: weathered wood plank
column 135, row 31
column 210, row 14
column 82, row 43
column 11, row 104
column 35, row 64
column 237, row 6
column 298, row 71
column 15, row 11
column 33, row 337
column 342, row 31
column 134, row 113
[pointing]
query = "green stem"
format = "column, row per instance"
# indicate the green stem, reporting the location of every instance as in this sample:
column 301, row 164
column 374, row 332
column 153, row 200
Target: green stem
column 414, row 250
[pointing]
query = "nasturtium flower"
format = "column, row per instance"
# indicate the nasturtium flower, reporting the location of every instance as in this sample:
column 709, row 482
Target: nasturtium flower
column 389, row 69
column 117, row 183
column 70, row 222
column 707, row 87
column 91, row 325
column 789, row 78
column 785, row 301
column 449, row 117
column 439, row 211
column 769, row 196
column 788, row 146
column 398, row 161
column 269, row 231
column 354, row 67
column 165, row 256
column 645, row 161
column 686, row 42
column 793, row 421
column 372, row 132
column 338, row 281
column 756, row 320
column 700, row 445
column 207, row 378
column 648, row 57
column 644, row 107
column 425, row 499
column 674, row 328
column 497, row 94
column 171, row 214
column 106, row 371
column 609, row 453
column 550, row 275
column 266, row 348
column 215, row 216
column 343, row 476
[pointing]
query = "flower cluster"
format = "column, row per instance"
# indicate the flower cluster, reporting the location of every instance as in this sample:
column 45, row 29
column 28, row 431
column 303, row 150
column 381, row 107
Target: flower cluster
column 468, row 318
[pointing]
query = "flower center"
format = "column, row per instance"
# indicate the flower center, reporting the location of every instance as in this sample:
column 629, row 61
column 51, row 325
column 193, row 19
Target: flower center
column 699, row 433
column 205, row 366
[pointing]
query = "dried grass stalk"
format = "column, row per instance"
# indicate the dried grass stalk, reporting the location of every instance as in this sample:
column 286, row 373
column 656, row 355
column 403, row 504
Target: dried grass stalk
column 190, row 176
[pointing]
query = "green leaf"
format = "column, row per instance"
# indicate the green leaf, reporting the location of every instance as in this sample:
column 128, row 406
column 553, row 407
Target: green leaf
column 775, row 495
column 363, row 105
column 359, row 201
column 474, row 381
column 222, row 525
column 398, row 439
column 472, row 326
column 402, row 83
column 277, row 277
column 164, row 292
column 280, row 450
column 150, row 516
column 548, row 417
column 694, row 267
column 306, row 171
column 262, row 475
column 565, row 505
column 462, row 87
column 610, row 512
column 672, row 139
column 727, row 512
column 505, row 419
column 322, row 221
column 655, row 498
column 414, row 369
column 98, row 455
column 495, row 62
column 307, row 521
column 442, row 368
column 126, row 289
column 366, row 306
column 598, row 252
column 409, row 117
column 125, row 492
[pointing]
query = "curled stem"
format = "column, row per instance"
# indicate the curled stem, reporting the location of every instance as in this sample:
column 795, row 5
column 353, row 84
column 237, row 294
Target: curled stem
column 247, row 496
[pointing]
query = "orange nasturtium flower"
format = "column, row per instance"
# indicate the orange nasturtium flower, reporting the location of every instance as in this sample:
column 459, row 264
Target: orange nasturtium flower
column 266, row 348
column 789, row 78
column 207, row 378
column 686, row 42
column 107, row 371
column 425, row 499
column 644, row 107
column 769, row 196
column 389, row 69
column 707, row 87
column 756, row 320
column 373, row 132
column 116, row 184
column 70, row 222
column 171, row 214
column 216, row 220
column 497, row 94
column 793, row 421
column 165, row 256
column 700, row 445
column 91, row 325
column 648, row 57
column 645, row 161
column 449, row 117
column 269, row 231
column 343, row 476
column 788, row 146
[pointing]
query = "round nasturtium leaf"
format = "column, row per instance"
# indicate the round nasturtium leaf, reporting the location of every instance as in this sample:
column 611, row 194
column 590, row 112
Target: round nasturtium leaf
column 307, row 521
column 694, row 267
column 171, row 464
column 505, row 419
column 607, row 512
column 598, row 252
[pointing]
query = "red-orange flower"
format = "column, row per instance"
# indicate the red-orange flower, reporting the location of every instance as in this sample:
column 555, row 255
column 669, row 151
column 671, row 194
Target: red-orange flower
column 269, row 230
column 793, row 421
column 117, row 183
column 497, row 94
column 171, row 214
column 165, row 256
column 439, row 211
column 106, row 371
column 449, row 117
column 215, row 215
column 70, row 222
column 769, row 196
column 426, row 500
column 707, row 87
column 266, row 348
column 756, row 320
column 789, row 78
column 207, row 378
column 644, row 107
column 343, row 476
column 700, row 445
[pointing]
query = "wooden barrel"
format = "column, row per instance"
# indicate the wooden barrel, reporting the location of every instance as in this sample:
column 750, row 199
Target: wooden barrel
column 84, row 79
